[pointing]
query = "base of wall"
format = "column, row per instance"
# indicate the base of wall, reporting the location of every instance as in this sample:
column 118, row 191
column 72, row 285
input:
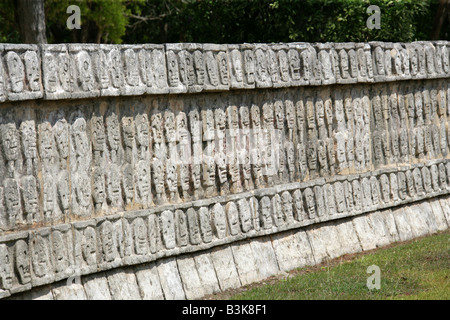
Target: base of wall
column 192, row 276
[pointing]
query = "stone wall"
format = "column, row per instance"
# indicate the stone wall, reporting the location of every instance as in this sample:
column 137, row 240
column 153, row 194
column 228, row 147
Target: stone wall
column 117, row 160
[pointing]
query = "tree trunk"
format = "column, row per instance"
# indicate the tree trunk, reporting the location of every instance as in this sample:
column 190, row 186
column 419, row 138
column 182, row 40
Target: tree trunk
column 442, row 12
column 30, row 16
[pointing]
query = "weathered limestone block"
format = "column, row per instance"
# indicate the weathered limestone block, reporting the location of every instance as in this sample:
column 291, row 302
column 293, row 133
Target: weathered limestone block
column 326, row 63
column 148, row 281
column 227, row 274
column 245, row 263
column 332, row 241
column 174, row 71
column 365, row 231
column 190, row 278
column 41, row 293
column 391, row 227
column 15, row 264
column 191, row 64
column 241, row 66
column 217, row 70
column 445, row 205
column 418, row 220
column 439, row 216
column 123, row 285
column 62, row 251
column 417, row 60
column 20, row 72
column 153, row 68
column 348, row 236
column 430, row 218
column 170, row 279
column 380, row 229
column 262, row 75
column 317, row 242
column 41, row 257
column 85, row 247
column 207, row 273
column 96, row 287
column 348, row 63
column 301, row 57
column 292, row 250
column 403, row 224
column 73, row 292
column 265, row 258
column 278, row 65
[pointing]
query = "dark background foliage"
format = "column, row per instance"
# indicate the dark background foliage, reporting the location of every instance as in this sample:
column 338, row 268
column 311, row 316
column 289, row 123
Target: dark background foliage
column 234, row 21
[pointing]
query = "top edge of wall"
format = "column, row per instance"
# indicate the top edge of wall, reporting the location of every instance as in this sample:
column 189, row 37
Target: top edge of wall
column 76, row 70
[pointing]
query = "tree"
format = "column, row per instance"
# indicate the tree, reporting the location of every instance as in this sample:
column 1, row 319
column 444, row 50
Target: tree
column 442, row 13
column 224, row 21
column 102, row 21
column 30, row 16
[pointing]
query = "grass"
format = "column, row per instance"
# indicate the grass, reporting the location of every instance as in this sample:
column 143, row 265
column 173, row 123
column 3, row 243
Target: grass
column 419, row 269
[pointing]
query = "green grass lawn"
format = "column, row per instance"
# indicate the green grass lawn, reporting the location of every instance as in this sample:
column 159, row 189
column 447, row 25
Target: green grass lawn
column 419, row 269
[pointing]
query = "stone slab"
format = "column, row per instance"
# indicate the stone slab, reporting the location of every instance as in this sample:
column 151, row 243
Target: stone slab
column 348, row 236
column 40, row 293
column 207, row 273
column 148, row 282
column 227, row 274
column 441, row 222
column 445, row 205
column 391, row 227
column 405, row 231
column 379, row 228
column 318, row 245
column 123, row 285
column 245, row 263
column 332, row 241
column 74, row 291
column 190, row 278
column 418, row 220
column 265, row 258
column 366, row 235
column 430, row 218
column 96, row 287
column 170, row 279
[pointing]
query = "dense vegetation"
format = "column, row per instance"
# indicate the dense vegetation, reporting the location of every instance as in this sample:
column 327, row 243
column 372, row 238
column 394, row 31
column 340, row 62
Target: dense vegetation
column 231, row 21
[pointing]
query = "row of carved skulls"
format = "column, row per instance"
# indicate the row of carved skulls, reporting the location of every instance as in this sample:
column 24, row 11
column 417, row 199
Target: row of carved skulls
column 181, row 68
column 113, row 239
column 183, row 133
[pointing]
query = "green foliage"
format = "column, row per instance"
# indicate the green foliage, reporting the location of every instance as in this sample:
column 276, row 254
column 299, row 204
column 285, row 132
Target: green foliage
column 102, row 21
column 8, row 30
column 231, row 21
column 236, row 21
